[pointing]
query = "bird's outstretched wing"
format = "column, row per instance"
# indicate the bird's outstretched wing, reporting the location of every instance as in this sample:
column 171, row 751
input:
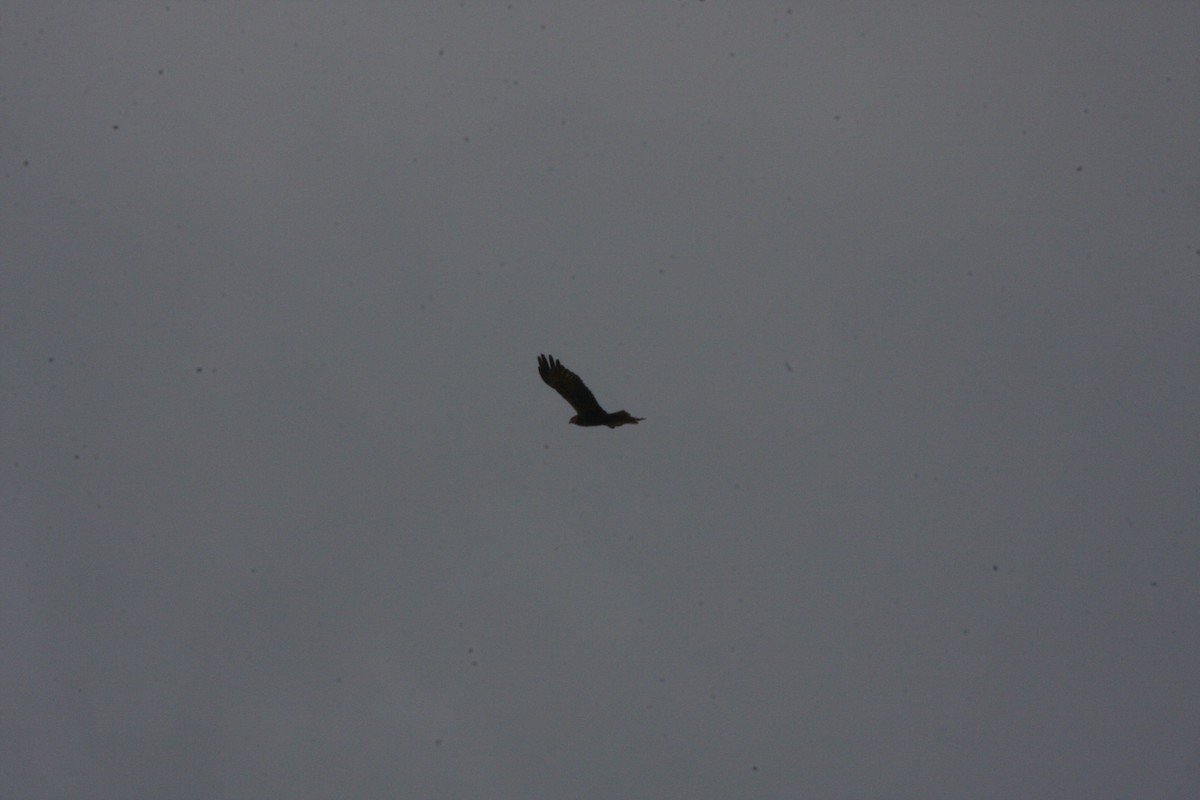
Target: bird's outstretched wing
column 570, row 386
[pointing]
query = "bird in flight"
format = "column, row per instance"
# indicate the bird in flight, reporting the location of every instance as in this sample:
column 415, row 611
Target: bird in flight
column 587, row 411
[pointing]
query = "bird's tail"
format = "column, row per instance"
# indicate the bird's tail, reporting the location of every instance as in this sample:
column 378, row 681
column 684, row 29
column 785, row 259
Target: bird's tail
column 623, row 418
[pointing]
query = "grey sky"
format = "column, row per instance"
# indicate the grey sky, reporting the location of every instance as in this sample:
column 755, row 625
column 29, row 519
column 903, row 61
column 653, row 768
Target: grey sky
column 909, row 297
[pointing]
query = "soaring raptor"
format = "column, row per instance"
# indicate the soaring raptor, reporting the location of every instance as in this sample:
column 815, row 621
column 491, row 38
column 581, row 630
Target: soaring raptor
column 587, row 411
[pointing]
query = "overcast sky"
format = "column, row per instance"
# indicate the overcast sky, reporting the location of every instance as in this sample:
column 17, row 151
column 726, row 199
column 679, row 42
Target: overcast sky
column 908, row 294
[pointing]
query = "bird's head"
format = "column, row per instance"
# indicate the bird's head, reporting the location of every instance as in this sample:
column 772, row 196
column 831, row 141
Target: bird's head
column 573, row 420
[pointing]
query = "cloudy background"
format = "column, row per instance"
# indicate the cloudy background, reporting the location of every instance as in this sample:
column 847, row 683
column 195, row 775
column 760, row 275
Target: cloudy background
column 909, row 296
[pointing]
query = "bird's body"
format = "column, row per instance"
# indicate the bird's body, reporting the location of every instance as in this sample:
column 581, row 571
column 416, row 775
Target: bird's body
column 575, row 391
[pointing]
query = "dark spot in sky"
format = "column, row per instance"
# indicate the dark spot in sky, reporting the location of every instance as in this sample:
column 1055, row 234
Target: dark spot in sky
column 1079, row 168
column 50, row 359
column 199, row 369
column 995, row 567
column 787, row 365
column 116, row 127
